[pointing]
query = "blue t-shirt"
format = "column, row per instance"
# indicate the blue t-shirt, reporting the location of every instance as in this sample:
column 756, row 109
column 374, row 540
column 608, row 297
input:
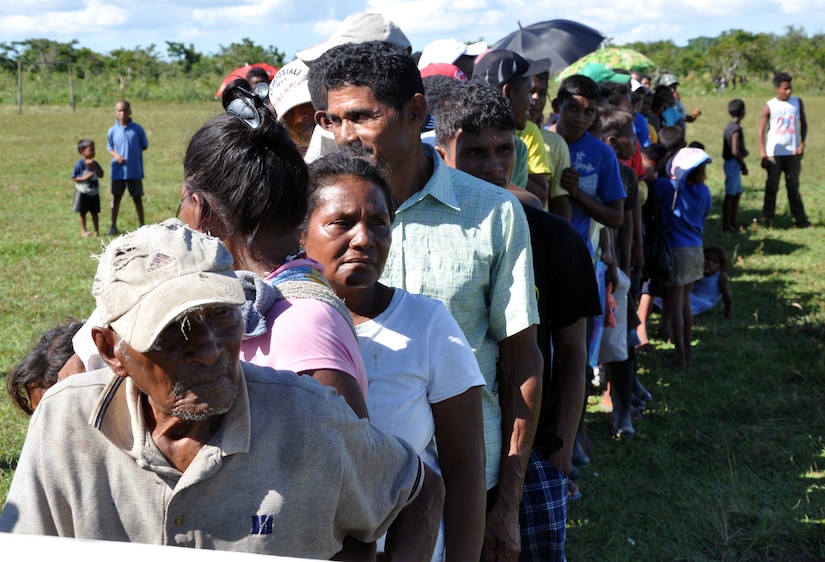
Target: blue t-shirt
column 130, row 142
column 599, row 177
column 90, row 186
column 674, row 115
column 686, row 222
column 641, row 129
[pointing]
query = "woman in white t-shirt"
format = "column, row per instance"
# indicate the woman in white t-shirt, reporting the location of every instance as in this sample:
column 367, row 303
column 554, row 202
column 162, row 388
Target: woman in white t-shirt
column 424, row 381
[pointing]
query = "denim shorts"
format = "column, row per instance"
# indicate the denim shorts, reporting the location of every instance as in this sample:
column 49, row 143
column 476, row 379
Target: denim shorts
column 733, row 177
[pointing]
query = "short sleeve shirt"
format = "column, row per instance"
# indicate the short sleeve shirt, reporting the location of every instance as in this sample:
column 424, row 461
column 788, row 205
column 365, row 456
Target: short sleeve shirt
column 291, row 471
column 537, row 162
column 559, row 157
column 130, row 142
column 599, row 178
column 520, row 170
column 466, row 243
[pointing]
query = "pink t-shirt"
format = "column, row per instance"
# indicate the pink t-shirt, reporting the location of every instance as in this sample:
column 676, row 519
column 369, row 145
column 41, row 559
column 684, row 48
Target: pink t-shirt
column 306, row 334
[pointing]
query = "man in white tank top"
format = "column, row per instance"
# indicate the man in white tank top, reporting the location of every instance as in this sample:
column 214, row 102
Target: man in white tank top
column 783, row 117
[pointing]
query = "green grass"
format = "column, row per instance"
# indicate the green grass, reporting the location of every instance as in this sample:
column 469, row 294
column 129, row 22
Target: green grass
column 729, row 460
column 45, row 266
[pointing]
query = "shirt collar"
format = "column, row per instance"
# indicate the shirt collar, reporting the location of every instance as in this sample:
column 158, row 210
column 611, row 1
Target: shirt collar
column 118, row 415
column 439, row 186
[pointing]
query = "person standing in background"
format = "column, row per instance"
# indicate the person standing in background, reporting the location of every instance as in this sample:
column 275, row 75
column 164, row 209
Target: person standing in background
column 783, row 118
column 126, row 141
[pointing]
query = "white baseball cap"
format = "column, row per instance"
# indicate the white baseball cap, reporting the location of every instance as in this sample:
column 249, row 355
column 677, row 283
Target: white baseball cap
column 150, row 277
column 290, row 87
column 359, row 27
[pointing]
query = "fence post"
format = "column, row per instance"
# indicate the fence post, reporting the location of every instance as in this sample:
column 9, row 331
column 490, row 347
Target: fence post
column 19, row 86
column 71, row 85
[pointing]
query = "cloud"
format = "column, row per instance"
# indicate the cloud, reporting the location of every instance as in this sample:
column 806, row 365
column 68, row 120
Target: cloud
column 291, row 25
column 92, row 18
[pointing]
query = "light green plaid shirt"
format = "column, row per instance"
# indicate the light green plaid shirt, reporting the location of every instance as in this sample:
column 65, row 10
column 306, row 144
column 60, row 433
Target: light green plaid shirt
column 466, row 243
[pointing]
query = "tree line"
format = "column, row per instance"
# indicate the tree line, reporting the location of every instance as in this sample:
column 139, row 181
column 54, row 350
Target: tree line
column 142, row 73
column 738, row 54
column 181, row 73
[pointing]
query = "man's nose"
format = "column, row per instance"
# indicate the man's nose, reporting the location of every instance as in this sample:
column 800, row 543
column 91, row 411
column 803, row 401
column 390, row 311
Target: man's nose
column 492, row 164
column 349, row 132
column 203, row 344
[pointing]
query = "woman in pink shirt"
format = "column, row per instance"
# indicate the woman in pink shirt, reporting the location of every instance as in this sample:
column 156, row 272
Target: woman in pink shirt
column 246, row 183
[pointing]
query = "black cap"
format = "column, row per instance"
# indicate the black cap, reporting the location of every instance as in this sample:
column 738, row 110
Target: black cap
column 505, row 67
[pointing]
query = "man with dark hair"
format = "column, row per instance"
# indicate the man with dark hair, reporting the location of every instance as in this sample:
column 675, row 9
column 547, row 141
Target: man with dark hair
column 178, row 442
column 457, row 239
column 474, row 133
column 783, row 119
column 598, row 194
column 512, row 74
column 255, row 75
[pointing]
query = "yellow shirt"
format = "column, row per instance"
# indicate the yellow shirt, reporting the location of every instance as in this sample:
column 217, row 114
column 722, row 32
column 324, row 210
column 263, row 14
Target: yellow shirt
column 559, row 157
column 537, row 162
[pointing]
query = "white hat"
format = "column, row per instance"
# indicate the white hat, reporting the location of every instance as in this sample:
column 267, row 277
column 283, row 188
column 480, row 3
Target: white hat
column 148, row 278
column 687, row 160
column 290, row 87
column 448, row 50
column 359, row 27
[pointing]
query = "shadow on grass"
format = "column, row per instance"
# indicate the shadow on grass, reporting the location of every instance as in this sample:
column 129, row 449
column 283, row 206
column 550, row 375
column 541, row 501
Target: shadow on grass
column 719, row 451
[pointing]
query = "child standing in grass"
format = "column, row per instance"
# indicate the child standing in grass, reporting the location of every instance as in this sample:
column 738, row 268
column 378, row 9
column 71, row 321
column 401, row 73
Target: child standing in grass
column 734, row 153
column 86, row 175
column 685, row 203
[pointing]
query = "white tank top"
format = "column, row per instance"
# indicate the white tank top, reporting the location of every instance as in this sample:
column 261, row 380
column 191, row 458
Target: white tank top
column 783, row 127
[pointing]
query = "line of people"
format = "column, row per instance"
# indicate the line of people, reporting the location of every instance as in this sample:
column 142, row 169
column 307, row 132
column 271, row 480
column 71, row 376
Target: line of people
column 398, row 249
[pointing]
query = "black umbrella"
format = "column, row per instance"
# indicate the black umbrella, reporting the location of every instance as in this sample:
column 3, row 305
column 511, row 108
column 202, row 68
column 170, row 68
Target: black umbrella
column 561, row 41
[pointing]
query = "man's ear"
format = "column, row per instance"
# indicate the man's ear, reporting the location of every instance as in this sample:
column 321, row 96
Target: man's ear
column 105, row 340
column 555, row 105
column 441, row 151
column 611, row 140
column 321, row 119
column 417, row 109
column 505, row 91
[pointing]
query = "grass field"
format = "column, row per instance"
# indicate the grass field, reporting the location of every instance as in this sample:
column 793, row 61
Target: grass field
column 729, row 460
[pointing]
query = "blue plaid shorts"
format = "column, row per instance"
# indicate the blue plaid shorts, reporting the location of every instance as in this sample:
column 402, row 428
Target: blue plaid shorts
column 543, row 512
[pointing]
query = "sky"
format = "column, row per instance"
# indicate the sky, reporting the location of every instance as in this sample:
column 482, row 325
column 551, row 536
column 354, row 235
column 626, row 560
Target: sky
column 291, row 25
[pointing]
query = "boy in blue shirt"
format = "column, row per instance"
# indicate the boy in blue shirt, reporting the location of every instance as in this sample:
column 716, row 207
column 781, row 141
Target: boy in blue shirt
column 126, row 142
column 593, row 181
column 86, row 174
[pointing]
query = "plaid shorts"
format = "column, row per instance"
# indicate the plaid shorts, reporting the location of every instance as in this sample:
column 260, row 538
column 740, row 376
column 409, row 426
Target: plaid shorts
column 543, row 512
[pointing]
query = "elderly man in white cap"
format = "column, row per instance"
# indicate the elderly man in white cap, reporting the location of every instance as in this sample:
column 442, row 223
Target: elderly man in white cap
column 177, row 442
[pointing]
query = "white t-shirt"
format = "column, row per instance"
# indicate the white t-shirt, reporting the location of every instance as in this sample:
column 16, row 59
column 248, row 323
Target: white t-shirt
column 416, row 355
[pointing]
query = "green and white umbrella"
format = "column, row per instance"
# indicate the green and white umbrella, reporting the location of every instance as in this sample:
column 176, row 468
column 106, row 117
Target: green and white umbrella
column 613, row 58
